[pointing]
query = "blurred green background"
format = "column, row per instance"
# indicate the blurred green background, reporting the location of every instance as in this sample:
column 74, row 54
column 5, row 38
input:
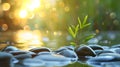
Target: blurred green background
column 35, row 23
column 56, row 15
column 48, row 20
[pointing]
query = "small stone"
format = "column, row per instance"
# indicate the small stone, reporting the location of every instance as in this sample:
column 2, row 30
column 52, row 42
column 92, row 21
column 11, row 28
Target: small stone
column 116, row 46
column 33, row 62
column 17, row 52
column 52, row 59
column 6, row 60
column 97, row 61
column 85, row 51
column 98, row 52
column 96, row 47
column 22, row 57
column 105, row 47
column 111, row 64
column 117, row 50
column 115, row 55
column 10, row 48
column 104, row 59
column 67, row 51
column 42, row 49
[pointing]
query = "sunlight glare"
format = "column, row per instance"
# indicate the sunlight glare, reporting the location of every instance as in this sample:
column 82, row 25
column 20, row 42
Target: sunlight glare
column 34, row 4
column 23, row 13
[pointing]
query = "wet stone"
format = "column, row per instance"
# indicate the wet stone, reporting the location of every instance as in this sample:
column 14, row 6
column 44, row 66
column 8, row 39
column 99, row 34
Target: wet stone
column 64, row 48
column 104, row 59
column 17, row 52
column 6, row 60
column 96, row 47
column 67, row 52
column 116, row 50
column 111, row 64
column 85, row 51
column 94, row 55
column 22, row 57
column 98, row 52
column 105, row 47
column 33, row 62
column 42, row 49
column 116, row 46
column 10, row 48
column 115, row 55
column 97, row 61
column 51, row 59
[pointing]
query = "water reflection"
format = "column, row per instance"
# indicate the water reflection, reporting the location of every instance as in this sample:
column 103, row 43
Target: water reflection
column 27, row 39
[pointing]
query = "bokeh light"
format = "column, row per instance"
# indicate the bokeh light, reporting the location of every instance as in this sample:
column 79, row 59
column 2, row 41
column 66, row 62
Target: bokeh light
column 4, row 27
column 67, row 9
column 5, row 6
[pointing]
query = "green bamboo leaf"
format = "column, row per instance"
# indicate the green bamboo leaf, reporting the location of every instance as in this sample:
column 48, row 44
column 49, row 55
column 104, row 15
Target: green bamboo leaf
column 80, row 23
column 85, row 20
column 86, row 25
column 71, row 32
column 87, row 38
column 76, row 30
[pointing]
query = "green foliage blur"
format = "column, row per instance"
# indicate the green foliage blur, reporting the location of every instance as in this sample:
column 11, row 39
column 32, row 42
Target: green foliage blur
column 104, row 15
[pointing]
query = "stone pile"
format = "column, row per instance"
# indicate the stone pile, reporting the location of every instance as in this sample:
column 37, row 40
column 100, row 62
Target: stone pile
column 94, row 55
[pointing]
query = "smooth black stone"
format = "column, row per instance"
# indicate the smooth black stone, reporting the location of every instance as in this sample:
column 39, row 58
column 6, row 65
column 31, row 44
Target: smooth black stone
column 6, row 60
column 33, row 54
column 104, row 58
column 105, row 47
column 33, row 62
column 85, row 51
column 23, row 56
column 68, row 53
column 69, row 47
column 116, row 50
column 96, row 47
column 116, row 46
column 44, row 53
column 42, row 49
column 98, row 52
column 10, row 48
column 115, row 55
column 83, row 59
column 99, row 59
column 111, row 64
column 51, row 59
column 14, row 53
column 21, row 65
column 64, row 48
